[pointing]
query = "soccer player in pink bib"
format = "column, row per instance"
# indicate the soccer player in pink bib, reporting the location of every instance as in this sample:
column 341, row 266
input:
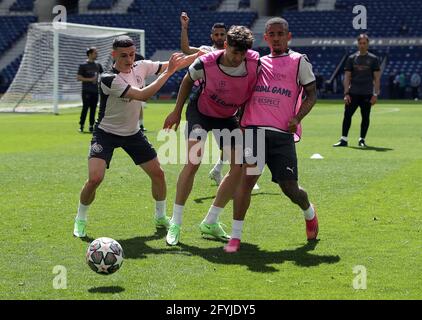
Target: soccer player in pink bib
column 272, row 120
column 227, row 78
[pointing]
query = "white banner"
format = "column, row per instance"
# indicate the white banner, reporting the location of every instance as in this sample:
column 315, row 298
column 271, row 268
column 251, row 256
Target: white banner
column 348, row 42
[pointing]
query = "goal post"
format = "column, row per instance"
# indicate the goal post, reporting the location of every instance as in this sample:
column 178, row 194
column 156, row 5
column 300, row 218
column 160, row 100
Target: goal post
column 47, row 77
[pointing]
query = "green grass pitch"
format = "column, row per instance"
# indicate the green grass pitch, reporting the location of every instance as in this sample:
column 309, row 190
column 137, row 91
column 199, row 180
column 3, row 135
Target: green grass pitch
column 369, row 204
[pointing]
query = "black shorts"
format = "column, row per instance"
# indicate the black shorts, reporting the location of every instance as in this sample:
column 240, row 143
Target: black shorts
column 275, row 149
column 136, row 146
column 199, row 125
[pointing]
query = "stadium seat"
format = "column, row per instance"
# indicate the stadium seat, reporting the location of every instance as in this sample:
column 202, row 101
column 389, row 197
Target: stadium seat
column 101, row 4
column 22, row 5
column 386, row 19
column 16, row 26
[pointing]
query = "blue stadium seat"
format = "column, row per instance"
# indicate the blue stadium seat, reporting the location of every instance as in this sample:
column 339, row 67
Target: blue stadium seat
column 386, row 18
column 22, row 5
column 7, row 74
column 16, row 26
column 101, row 4
column 151, row 21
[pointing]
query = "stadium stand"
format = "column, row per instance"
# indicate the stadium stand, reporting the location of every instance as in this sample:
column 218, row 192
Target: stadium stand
column 8, row 73
column 244, row 4
column 385, row 19
column 166, row 36
column 16, row 27
column 310, row 3
column 101, row 4
column 161, row 36
column 23, row 5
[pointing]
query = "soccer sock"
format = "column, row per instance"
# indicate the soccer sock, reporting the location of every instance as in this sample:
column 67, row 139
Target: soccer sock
column 177, row 214
column 141, row 122
column 218, row 166
column 237, row 229
column 309, row 213
column 344, row 138
column 160, row 209
column 213, row 214
column 82, row 212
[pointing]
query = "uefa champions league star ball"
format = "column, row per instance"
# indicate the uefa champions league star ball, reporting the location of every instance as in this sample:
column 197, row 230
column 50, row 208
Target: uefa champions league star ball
column 104, row 256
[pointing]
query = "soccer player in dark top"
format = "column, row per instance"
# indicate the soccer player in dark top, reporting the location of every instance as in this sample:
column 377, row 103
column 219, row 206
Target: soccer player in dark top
column 361, row 89
column 89, row 73
column 122, row 92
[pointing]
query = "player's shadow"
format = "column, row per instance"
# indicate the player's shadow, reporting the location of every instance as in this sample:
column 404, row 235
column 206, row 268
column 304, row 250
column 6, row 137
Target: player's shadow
column 257, row 260
column 250, row 255
column 110, row 289
column 254, row 194
column 370, row 148
column 137, row 248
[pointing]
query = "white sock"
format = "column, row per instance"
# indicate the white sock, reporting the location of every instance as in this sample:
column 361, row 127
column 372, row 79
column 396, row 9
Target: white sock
column 141, row 122
column 344, row 138
column 160, row 209
column 309, row 213
column 237, row 229
column 177, row 214
column 82, row 212
column 218, row 166
column 213, row 214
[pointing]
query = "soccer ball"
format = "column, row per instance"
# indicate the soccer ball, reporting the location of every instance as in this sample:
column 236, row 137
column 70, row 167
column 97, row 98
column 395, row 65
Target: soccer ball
column 104, row 256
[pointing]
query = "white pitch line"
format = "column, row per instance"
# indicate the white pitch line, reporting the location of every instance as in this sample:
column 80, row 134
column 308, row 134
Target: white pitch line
column 387, row 110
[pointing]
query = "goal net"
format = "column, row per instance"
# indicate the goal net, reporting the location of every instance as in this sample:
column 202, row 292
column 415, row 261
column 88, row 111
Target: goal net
column 47, row 77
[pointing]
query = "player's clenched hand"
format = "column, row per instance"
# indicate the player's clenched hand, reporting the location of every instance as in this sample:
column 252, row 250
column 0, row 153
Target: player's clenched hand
column 347, row 99
column 373, row 100
column 201, row 52
column 293, row 123
column 173, row 119
column 175, row 62
column 184, row 20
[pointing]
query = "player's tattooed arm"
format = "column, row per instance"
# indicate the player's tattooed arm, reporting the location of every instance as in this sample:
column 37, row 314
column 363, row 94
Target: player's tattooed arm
column 306, row 107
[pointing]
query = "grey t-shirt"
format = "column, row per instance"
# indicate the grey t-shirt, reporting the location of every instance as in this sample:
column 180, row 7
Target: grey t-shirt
column 119, row 115
column 362, row 68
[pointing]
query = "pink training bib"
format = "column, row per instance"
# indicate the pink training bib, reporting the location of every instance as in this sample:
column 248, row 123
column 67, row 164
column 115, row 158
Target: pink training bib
column 223, row 94
column 277, row 96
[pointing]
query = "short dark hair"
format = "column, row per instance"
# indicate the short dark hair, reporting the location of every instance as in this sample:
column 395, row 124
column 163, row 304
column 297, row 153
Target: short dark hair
column 218, row 25
column 123, row 42
column 276, row 20
column 90, row 50
column 240, row 38
column 363, row 36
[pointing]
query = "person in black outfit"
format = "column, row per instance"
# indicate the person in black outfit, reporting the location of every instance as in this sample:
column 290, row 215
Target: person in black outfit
column 361, row 89
column 392, row 85
column 88, row 73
